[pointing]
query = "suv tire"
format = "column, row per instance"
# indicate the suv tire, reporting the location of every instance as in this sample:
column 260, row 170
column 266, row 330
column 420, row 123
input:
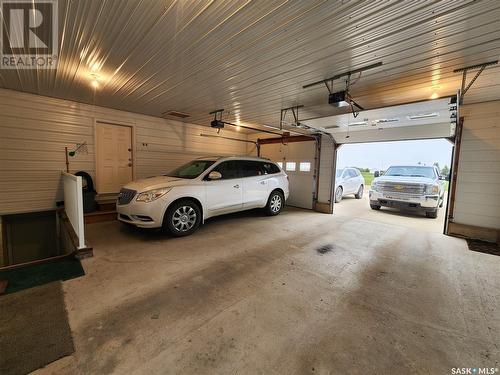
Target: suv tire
column 431, row 214
column 374, row 207
column 359, row 194
column 338, row 194
column 182, row 218
column 275, row 203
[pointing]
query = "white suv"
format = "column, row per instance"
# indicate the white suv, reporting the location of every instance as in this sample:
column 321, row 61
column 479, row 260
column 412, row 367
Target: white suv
column 348, row 181
column 184, row 198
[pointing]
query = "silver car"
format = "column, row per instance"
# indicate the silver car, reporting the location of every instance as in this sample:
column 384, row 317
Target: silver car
column 348, row 181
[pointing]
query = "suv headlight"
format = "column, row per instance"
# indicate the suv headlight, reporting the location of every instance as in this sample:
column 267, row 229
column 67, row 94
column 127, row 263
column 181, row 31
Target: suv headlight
column 432, row 189
column 374, row 186
column 151, row 195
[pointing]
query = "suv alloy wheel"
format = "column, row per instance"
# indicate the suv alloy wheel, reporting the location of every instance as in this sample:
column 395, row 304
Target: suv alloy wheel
column 182, row 218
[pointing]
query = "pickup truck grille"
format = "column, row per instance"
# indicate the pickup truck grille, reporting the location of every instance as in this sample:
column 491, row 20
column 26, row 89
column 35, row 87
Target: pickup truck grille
column 126, row 196
column 395, row 187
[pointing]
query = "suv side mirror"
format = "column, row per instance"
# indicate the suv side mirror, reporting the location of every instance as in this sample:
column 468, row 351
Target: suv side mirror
column 214, row 175
column 376, row 174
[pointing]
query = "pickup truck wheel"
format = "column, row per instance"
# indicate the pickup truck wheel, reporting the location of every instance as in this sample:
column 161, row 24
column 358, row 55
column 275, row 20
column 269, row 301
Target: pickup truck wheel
column 338, row 194
column 182, row 218
column 359, row 194
column 431, row 214
column 374, row 207
column 442, row 202
column 275, row 203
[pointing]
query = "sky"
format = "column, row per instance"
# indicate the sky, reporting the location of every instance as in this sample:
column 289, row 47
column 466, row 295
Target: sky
column 381, row 155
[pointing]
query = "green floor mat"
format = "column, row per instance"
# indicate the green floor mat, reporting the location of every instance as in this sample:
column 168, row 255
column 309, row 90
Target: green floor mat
column 34, row 329
column 40, row 274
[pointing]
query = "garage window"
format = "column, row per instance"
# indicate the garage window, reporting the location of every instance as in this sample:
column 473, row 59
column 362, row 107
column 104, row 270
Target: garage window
column 291, row 165
column 305, row 167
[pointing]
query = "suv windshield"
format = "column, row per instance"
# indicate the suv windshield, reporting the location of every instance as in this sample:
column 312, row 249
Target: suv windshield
column 410, row 171
column 192, row 169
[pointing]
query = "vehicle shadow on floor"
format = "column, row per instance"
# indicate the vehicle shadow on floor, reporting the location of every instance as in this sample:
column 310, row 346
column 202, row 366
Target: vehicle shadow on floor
column 351, row 200
column 212, row 223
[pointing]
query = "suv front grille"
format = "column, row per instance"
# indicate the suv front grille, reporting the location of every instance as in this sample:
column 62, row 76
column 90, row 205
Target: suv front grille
column 126, row 196
column 395, row 187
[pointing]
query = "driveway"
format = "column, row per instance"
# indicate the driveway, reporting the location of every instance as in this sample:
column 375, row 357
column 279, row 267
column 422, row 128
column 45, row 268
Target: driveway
column 360, row 208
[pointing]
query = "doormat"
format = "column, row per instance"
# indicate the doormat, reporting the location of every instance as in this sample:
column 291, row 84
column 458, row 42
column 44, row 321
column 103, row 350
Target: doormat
column 40, row 274
column 484, row 247
column 34, row 329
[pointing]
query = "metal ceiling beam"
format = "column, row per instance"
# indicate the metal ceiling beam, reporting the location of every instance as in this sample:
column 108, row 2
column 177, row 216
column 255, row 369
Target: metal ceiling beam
column 345, row 74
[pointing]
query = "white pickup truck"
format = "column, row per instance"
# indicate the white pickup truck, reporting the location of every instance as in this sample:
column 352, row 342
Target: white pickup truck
column 413, row 187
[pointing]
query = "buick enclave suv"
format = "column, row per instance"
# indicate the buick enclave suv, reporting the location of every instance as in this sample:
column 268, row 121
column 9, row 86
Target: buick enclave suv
column 184, row 198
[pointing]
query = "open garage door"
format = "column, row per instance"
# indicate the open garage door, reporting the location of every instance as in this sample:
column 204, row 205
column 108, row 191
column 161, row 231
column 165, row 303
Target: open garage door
column 297, row 156
column 432, row 119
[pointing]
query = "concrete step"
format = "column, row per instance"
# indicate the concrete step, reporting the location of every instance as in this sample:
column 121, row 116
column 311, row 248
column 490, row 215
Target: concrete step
column 106, row 198
column 99, row 216
column 106, row 202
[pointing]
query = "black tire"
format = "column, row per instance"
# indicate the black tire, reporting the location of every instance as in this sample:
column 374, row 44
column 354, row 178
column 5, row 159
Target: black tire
column 338, row 194
column 431, row 214
column 182, row 218
column 359, row 194
column 374, row 207
column 275, row 203
column 442, row 203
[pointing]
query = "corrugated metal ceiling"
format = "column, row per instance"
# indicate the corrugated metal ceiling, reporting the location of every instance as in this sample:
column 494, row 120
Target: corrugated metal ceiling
column 253, row 57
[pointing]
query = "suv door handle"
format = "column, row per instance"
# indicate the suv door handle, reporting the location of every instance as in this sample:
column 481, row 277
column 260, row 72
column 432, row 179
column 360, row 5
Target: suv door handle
column 236, row 186
column 263, row 182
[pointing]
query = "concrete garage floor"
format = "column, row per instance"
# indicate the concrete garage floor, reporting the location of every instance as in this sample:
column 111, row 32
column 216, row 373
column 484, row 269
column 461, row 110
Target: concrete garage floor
column 251, row 294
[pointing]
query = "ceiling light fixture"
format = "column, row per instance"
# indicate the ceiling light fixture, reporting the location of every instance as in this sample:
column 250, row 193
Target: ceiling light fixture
column 358, row 123
column 423, row 115
column 385, row 120
column 95, row 80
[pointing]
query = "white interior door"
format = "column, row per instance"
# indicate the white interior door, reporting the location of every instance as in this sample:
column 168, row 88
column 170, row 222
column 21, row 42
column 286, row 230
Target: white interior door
column 114, row 157
column 297, row 160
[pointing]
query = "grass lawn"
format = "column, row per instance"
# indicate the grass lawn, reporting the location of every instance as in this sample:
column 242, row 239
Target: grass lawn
column 368, row 178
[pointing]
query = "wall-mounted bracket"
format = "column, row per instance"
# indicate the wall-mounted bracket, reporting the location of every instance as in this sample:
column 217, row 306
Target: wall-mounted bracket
column 217, row 113
column 295, row 113
column 464, row 71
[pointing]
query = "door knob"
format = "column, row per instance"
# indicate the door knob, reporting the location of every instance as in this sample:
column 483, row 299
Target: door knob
column 236, row 186
column 129, row 164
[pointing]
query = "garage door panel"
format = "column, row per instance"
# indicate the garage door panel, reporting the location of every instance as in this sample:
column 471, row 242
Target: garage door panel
column 302, row 184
